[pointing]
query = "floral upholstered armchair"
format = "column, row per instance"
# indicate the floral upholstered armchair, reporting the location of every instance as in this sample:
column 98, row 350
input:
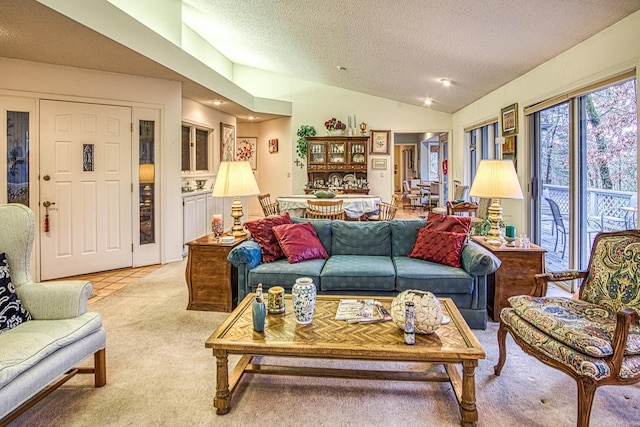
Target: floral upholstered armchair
column 595, row 338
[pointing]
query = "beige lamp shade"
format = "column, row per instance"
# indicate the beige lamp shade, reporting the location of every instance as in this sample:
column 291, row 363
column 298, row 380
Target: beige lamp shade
column 496, row 179
column 235, row 179
column 147, row 173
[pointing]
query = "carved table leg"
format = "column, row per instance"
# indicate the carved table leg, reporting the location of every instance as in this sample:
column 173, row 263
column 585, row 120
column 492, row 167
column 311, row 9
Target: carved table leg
column 223, row 396
column 468, row 410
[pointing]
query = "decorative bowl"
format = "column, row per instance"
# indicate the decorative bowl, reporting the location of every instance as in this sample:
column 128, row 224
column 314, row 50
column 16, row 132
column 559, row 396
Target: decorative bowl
column 200, row 183
column 428, row 314
column 320, row 194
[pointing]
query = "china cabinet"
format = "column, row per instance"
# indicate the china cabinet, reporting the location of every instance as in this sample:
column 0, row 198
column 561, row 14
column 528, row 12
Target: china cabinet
column 337, row 163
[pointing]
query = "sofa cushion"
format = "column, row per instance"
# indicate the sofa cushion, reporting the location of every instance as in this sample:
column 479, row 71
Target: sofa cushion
column 358, row 273
column 360, row 238
column 323, row 230
column 413, row 273
column 403, row 235
column 27, row 344
column 281, row 273
column 453, row 223
column 443, row 247
column 12, row 312
column 299, row 242
column 262, row 232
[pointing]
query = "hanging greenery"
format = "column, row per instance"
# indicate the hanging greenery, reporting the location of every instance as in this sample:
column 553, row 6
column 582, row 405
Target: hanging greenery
column 303, row 133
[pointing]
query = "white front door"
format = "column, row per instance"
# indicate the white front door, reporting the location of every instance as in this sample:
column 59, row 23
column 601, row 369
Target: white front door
column 85, row 173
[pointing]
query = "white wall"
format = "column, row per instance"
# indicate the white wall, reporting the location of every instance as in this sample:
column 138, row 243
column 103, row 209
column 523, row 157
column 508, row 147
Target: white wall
column 35, row 80
column 608, row 53
column 314, row 103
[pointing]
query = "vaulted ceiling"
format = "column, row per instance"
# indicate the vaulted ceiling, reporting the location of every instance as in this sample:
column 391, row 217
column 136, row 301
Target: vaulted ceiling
column 397, row 50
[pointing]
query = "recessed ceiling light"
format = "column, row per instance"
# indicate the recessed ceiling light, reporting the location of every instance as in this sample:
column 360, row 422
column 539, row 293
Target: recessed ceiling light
column 251, row 117
column 341, row 68
column 217, row 102
column 445, row 82
column 428, row 102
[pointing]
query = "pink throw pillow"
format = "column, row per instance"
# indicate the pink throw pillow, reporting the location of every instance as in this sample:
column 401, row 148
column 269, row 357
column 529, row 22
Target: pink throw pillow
column 262, row 232
column 443, row 247
column 300, row 242
column 455, row 224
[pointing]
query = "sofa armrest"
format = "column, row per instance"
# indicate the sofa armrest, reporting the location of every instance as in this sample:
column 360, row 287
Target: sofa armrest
column 247, row 252
column 477, row 261
column 55, row 300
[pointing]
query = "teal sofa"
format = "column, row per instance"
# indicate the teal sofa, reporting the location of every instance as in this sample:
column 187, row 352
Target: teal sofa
column 371, row 258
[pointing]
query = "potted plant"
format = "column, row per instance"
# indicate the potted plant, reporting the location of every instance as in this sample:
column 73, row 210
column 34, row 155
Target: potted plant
column 303, row 133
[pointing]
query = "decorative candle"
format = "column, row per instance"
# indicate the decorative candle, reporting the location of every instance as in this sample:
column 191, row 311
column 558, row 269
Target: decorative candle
column 349, row 121
column 510, row 231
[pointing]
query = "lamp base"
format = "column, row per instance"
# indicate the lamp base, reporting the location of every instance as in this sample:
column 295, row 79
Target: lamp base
column 495, row 217
column 237, row 229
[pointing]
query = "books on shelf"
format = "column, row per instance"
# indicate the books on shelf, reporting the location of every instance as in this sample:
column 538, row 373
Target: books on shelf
column 362, row 311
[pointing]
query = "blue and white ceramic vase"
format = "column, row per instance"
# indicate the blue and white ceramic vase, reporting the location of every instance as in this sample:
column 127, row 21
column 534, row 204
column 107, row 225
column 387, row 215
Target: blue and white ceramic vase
column 259, row 310
column 303, row 295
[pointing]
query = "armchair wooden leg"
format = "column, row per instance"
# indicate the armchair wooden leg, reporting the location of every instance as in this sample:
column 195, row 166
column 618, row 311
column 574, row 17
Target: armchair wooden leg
column 502, row 349
column 100, row 366
column 586, row 393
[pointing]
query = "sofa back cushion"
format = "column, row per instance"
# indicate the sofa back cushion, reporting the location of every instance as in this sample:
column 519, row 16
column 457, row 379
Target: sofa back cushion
column 360, row 238
column 323, row 230
column 403, row 235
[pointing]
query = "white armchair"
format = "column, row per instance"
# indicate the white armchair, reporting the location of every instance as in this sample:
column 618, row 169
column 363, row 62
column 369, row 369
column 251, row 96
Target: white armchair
column 39, row 355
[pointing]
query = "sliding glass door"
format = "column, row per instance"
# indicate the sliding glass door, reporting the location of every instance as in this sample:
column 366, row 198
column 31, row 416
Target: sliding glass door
column 584, row 171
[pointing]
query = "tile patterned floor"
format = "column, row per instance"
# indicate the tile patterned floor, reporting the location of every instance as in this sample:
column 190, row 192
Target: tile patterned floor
column 107, row 282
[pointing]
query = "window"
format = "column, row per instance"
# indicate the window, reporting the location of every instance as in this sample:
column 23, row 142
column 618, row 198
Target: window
column 147, row 178
column 481, row 142
column 196, row 154
column 18, row 157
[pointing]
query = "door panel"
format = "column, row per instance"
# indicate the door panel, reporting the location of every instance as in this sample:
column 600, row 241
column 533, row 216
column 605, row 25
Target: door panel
column 86, row 153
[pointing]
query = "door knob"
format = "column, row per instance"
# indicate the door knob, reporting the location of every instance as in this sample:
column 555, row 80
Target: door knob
column 48, row 203
column 46, row 177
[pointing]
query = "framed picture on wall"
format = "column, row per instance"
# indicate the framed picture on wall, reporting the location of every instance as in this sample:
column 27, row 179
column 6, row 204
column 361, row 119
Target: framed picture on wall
column 246, row 150
column 379, row 142
column 509, row 117
column 273, row 145
column 509, row 151
column 379, row 164
column 227, row 142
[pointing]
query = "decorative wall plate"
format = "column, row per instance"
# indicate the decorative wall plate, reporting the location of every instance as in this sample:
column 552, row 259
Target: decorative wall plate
column 334, row 179
column 349, row 179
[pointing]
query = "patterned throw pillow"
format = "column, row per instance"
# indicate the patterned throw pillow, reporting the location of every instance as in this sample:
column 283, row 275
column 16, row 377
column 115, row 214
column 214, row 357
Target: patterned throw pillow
column 299, row 242
column 12, row 313
column 455, row 224
column 443, row 247
column 262, row 232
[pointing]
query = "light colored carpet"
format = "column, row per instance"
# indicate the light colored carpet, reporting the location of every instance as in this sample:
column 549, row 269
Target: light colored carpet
column 160, row 374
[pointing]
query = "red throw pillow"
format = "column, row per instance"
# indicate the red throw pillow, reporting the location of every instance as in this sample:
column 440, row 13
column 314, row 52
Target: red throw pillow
column 443, row 247
column 262, row 232
column 300, row 242
column 455, row 224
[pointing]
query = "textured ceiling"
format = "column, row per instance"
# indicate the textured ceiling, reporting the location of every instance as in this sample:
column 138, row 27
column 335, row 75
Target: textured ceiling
column 393, row 49
column 401, row 49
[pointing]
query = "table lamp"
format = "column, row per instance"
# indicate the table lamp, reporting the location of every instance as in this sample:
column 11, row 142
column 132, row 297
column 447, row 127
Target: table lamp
column 496, row 179
column 235, row 179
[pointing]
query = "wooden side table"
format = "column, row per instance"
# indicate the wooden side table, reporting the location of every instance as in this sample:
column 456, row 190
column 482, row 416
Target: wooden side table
column 514, row 277
column 211, row 279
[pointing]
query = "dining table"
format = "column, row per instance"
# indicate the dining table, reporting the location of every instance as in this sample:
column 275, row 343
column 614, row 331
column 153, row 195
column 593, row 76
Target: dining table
column 354, row 205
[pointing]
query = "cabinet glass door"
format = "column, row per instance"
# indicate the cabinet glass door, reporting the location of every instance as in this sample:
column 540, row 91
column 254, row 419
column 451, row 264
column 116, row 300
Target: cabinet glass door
column 357, row 153
column 316, row 153
column 337, row 153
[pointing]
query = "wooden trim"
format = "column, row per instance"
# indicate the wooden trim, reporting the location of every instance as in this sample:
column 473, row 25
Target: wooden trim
column 626, row 75
column 481, row 124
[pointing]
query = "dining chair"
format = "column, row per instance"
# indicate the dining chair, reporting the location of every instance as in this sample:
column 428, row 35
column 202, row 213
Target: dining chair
column 411, row 194
column 558, row 224
column 325, row 209
column 460, row 192
column 434, row 195
column 268, row 207
column 386, row 211
column 396, row 200
column 470, row 208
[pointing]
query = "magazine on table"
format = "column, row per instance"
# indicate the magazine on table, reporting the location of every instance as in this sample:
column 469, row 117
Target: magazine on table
column 362, row 311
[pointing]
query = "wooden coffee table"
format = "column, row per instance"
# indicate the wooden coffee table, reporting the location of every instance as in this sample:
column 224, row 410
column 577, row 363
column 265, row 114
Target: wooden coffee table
column 452, row 344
